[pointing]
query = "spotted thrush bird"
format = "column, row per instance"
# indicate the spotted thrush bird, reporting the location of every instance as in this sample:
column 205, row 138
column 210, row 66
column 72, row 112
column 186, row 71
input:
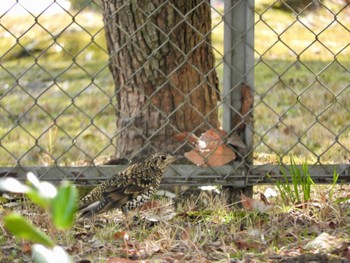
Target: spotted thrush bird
column 127, row 189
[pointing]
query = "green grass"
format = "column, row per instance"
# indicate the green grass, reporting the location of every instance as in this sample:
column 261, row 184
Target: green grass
column 290, row 95
column 297, row 189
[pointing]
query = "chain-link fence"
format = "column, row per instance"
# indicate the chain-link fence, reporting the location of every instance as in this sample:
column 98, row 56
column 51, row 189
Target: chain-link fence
column 283, row 71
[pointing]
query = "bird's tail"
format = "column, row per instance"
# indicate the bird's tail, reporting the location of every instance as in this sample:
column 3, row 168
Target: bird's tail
column 89, row 210
column 97, row 207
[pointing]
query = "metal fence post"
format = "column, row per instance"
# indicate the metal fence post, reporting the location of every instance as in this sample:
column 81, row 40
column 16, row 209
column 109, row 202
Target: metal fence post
column 238, row 67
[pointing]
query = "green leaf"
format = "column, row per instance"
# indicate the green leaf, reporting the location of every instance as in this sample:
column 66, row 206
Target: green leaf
column 21, row 228
column 35, row 196
column 64, row 206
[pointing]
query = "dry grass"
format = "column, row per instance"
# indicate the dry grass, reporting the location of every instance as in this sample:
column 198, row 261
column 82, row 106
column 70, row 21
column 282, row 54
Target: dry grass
column 204, row 229
column 290, row 94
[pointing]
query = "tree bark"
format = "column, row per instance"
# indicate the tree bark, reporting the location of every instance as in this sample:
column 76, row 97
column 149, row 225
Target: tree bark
column 163, row 67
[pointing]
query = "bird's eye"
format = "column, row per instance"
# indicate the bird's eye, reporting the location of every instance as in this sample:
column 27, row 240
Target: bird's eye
column 163, row 157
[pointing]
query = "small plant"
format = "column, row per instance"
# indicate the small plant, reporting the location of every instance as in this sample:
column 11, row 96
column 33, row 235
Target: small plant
column 334, row 183
column 297, row 188
column 59, row 203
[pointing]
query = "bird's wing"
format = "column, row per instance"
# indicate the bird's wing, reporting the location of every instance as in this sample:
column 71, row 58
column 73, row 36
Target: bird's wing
column 118, row 190
column 108, row 198
column 115, row 196
column 126, row 189
column 117, row 183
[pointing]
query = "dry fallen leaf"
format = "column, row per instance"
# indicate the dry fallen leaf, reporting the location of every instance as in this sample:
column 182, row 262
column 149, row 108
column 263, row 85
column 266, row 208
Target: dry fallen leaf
column 222, row 155
column 121, row 235
column 211, row 150
column 76, row 248
column 210, row 147
column 251, row 204
column 325, row 243
column 26, row 248
column 211, row 139
column 191, row 138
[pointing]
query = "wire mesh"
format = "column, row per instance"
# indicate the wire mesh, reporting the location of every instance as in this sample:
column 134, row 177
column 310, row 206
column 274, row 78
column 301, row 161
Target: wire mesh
column 58, row 97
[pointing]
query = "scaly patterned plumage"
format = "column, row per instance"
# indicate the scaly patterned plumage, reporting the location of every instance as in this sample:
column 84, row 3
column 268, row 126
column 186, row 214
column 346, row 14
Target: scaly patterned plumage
column 127, row 189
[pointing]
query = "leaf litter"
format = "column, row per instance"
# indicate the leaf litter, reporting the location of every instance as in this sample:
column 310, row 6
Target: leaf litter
column 217, row 233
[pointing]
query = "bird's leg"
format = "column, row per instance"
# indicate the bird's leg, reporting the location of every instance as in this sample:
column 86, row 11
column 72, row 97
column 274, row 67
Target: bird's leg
column 125, row 212
column 126, row 215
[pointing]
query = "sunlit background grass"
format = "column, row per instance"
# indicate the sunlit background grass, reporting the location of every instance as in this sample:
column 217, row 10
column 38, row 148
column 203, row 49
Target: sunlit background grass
column 57, row 104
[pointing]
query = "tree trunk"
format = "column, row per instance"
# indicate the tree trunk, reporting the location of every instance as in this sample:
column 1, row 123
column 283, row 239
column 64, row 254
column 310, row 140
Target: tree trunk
column 163, row 67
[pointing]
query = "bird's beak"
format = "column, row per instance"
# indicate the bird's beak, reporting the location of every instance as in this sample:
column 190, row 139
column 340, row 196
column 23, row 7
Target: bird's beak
column 172, row 159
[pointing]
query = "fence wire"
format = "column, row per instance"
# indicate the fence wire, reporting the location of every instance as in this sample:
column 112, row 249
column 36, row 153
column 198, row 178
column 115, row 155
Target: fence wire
column 58, row 97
